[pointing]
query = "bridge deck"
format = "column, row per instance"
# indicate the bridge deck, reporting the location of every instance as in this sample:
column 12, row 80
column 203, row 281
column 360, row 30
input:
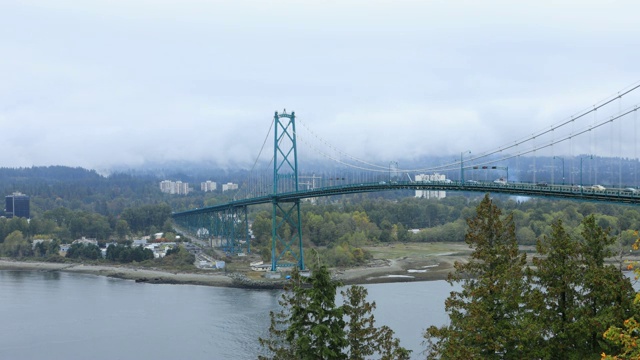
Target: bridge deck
column 519, row 189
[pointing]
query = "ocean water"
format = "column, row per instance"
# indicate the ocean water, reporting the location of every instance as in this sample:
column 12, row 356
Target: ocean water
column 52, row 315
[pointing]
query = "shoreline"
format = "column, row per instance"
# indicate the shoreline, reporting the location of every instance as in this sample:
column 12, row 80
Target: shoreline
column 389, row 271
column 138, row 274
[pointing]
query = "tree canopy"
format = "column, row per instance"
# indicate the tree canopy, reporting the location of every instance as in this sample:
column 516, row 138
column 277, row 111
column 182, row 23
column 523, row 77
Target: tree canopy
column 558, row 309
column 310, row 325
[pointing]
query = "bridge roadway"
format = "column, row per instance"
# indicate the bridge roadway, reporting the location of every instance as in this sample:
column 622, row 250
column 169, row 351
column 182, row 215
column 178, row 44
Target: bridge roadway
column 513, row 188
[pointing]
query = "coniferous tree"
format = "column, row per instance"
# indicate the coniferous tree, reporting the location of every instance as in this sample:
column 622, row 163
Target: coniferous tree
column 555, row 299
column 364, row 338
column 487, row 317
column 311, row 326
column 607, row 295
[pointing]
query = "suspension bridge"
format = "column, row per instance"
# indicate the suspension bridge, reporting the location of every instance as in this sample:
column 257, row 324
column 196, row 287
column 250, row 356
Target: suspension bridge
column 591, row 155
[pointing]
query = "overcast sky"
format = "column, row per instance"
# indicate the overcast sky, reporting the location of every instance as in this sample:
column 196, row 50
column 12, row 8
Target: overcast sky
column 104, row 83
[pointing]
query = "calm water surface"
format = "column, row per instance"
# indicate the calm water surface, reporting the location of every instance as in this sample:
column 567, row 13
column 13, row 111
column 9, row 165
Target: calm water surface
column 50, row 315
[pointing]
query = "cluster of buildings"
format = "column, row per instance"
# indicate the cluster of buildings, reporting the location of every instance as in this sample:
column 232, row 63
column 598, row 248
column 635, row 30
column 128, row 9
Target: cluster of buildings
column 182, row 188
column 159, row 249
column 209, row 186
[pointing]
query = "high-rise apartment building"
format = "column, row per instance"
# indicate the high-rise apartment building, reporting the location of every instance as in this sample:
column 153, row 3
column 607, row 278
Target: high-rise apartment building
column 177, row 187
column 17, row 205
column 166, row 186
column 208, row 186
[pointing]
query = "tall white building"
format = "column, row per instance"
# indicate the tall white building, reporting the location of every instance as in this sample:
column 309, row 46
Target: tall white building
column 166, row 186
column 208, row 186
column 430, row 194
column 182, row 188
column 177, row 187
column 229, row 186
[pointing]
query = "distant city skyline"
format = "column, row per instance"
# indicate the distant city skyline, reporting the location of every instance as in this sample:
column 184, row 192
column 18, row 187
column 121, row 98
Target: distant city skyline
column 106, row 84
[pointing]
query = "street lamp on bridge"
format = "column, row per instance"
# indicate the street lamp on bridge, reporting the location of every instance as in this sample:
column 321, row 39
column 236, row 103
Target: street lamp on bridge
column 581, row 158
column 462, row 165
column 561, row 158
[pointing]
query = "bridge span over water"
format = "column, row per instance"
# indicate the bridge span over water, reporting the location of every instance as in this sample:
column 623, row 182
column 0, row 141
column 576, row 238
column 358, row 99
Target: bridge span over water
column 553, row 173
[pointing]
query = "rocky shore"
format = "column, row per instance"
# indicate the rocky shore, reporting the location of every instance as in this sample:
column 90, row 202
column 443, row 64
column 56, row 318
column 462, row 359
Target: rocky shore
column 380, row 271
column 124, row 272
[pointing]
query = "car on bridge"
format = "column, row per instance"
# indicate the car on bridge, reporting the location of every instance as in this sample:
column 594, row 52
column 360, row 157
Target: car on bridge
column 598, row 188
column 542, row 184
column 500, row 181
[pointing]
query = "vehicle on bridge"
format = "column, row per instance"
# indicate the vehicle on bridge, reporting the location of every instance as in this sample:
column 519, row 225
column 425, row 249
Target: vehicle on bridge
column 500, row 181
column 598, row 188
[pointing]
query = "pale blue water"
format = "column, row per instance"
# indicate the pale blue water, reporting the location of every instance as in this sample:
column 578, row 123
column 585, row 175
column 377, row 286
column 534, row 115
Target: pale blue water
column 50, row 315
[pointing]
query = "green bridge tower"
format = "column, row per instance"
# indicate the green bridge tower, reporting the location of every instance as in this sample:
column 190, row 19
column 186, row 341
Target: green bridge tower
column 286, row 229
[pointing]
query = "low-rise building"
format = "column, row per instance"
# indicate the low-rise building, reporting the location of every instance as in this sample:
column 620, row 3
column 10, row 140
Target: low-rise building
column 63, row 249
column 85, row 241
column 139, row 242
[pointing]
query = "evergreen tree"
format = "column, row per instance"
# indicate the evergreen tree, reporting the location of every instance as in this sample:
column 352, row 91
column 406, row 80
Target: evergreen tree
column 364, row 338
column 555, row 299
column 311, row 325
column 607, row 295
column 487, row 318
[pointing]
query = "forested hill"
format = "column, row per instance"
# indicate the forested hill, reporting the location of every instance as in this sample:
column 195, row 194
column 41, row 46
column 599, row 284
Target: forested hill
column 51, row 187
column 47, row 173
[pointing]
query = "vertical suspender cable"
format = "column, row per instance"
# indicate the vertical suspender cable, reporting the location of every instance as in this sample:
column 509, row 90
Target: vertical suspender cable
column 553, row 156
column 620, row 145
column 571, row 150
column 611, row 154
column 594, row 142
column 534, row 160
